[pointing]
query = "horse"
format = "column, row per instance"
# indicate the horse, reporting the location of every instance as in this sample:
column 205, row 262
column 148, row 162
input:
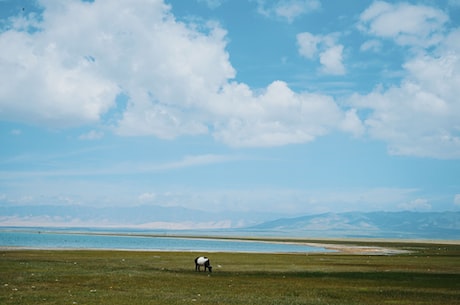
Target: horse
column 202, row 261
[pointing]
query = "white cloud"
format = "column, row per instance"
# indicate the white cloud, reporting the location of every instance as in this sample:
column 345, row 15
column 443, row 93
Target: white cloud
column 92, row 135
column 331, row 59
column 197, row 160
column 177, row 77
column 57, row 100
column 47, row 82
column 212, row 4
column 371, row 45
column 352, row 123
column 420, row 116
column 457, row 199
column 148, row 116
column 407, row 24
column 288, row 200
column 419, row 204
column 87, row 53
column 278, row 116
column 287, row 9
column 308, row 44
column 124, row 168
column 325, row 48
column 147, row 197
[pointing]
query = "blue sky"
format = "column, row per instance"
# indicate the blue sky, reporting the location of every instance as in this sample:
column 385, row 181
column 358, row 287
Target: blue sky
column 291, row 106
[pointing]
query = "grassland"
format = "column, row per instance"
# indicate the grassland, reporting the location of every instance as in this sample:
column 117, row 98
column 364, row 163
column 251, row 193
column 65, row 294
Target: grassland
column 429, row 274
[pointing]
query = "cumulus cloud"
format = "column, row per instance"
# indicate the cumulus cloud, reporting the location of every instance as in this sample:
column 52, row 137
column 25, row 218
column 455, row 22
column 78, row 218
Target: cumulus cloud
column 352, row 123
column 308, row 44
column 407, row 24
column 80, row 57
column 85, row 54
column 420, row 115
column 325, row 48
column 331, row 59
column 277, row 116
column 287, row 9
column 40, row 86
column 69, row 66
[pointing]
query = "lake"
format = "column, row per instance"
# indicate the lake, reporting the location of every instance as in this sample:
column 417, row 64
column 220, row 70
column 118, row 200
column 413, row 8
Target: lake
column 88, row 240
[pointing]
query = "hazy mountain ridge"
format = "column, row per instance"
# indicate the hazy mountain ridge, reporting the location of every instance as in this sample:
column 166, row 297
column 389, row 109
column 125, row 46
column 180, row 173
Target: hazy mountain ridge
column 406, row 224
column 433, row 225
column 147, row 216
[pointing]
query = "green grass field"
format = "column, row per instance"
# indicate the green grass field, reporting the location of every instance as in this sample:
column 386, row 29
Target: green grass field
column 430, row 274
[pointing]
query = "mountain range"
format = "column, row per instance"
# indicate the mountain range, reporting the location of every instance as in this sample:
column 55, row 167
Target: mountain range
column 138, row 216
column 405, row 224
column 432, row 225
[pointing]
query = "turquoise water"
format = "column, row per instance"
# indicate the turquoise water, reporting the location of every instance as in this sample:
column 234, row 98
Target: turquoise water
column 63, row 240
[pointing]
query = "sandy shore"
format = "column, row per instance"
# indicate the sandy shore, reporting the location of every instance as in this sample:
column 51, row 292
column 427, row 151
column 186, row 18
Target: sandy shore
column 359, row 250
column 336, row 248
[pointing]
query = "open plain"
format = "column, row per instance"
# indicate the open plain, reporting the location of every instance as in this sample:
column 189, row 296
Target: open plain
column 413, row 273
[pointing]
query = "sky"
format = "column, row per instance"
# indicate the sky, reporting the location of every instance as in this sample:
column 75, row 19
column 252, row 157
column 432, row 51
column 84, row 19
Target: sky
column 293, row 106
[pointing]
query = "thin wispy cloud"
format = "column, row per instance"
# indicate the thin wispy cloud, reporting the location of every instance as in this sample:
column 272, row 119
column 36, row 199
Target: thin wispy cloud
column 287, row 10
column 122, row 168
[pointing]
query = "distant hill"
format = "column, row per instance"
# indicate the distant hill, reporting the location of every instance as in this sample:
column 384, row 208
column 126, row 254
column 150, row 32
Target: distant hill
column 432, row 225
column 427, row 225
column 136, row 216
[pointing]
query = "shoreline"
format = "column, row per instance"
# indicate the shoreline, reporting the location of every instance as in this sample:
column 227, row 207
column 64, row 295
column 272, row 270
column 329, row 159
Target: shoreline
column 153, row 250
column 329, row 249
column 350, row 246
column 333, row 249
column 262, row 238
